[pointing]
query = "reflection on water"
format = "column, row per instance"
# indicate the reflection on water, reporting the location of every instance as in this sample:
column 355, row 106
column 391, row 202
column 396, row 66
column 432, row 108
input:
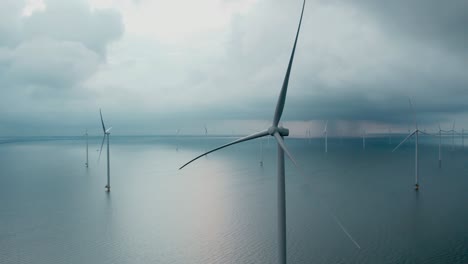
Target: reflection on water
column 222, row 208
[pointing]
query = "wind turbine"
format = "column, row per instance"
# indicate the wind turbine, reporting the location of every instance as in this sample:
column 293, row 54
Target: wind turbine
column 325, row 133
column 86, row 134
column 416, row 134
column 106, row 135
column 278, row 132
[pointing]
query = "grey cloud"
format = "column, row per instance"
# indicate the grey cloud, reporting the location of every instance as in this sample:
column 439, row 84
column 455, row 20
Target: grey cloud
column 74, row 21
column 441, row 22
column 349, row 64
column 49, row 63
column 47, row 56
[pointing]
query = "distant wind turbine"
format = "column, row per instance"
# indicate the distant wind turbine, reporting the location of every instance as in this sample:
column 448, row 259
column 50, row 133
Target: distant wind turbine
column 325, row 133
column 106, row 135
column 86, row 134
column 416, row 134
column 278, row 132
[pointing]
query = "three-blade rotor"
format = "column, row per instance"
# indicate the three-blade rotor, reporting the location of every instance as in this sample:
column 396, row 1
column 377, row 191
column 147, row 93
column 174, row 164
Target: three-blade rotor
column 274, row 130
column 106, row 133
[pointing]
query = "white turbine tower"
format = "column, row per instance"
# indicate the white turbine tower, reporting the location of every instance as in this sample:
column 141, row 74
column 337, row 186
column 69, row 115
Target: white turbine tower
column 106, row 135
column 325, row 133
column 86, row 134
column 416, row 134
column 278, row 132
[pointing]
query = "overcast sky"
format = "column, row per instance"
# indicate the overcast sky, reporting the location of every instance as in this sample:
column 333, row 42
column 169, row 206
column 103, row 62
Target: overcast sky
column 155, row 66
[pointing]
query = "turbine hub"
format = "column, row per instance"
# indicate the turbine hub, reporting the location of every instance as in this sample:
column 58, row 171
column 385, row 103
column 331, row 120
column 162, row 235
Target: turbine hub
column 284, row 132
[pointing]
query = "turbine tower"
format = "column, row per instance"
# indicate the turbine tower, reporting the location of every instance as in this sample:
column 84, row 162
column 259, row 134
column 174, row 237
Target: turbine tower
column 325, row 133
column 278, row 132
column 86, row 134
column 106, row 135
column 416, row 134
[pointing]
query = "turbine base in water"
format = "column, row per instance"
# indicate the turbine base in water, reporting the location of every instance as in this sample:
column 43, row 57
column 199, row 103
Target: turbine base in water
column 107, row 188
column 440, row 164
column 416, row 187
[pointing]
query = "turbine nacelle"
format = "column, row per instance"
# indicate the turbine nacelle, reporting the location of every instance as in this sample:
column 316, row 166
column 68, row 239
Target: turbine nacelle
column 284, row 132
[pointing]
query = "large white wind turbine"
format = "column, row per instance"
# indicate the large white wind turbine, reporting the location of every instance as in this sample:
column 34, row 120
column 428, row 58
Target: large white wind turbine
column 106, row 135
column 325, row 133
column 416, row 134
column 278, row 132
column 86, row 134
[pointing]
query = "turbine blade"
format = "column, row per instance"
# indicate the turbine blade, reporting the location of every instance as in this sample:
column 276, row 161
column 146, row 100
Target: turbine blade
column 326, row 126
column 102, row 144
column 422, row 132
column 403, row 141
column 102, row 121
column 109, row 129
column 246, row 138
column 284, row 89
column 285, row 149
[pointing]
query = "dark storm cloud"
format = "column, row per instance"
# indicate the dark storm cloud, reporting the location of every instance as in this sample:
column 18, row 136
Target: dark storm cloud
column 443, row 23
column 52, row 51
column 363, row 61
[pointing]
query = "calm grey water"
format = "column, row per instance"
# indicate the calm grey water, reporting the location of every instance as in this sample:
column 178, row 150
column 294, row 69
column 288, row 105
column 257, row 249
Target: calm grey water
column 222, row 209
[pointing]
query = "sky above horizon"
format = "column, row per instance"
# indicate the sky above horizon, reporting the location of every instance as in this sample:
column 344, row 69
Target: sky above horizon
column 158, row 66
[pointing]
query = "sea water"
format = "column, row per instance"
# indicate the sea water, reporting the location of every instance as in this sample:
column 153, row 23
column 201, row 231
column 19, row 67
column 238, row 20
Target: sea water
column 223, row 207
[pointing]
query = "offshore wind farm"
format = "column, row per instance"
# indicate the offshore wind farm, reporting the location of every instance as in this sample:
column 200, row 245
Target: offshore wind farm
column 223, row 209
column 351, row 173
